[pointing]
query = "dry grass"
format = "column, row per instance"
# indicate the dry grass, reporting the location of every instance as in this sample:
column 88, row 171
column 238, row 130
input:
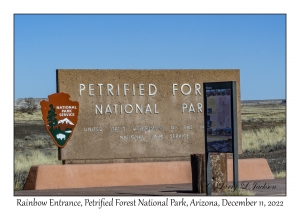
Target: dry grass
column 271, row 136
column 263, row 113
column 281, row 174
column 35, row 157
column 36, row 115
column 23, row 162
column 275, row 138
column 29, row 152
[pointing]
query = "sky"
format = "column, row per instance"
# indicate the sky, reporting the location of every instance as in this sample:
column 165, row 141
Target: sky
column 253, row 43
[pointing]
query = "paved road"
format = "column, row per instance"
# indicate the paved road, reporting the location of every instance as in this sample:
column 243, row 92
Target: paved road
column 275, row 187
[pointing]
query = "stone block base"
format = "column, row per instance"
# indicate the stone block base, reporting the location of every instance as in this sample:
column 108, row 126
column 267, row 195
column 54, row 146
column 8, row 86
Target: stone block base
column 103, row 175
column 250, row 169
column 130, row 174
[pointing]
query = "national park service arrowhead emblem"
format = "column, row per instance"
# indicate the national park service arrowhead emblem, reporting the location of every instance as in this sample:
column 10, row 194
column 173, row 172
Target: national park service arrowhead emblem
column 60, row 117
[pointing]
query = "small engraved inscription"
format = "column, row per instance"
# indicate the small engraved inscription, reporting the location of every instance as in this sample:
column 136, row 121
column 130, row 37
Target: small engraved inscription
column 173, row 127
column 188, row 127
column 147, row 128
column 179, row 136
column 116, row 129
column 132, row 137
column 93, row 129
column 157, row 136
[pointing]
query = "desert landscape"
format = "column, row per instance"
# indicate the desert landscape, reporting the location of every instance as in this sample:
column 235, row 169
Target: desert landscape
column 263, row 136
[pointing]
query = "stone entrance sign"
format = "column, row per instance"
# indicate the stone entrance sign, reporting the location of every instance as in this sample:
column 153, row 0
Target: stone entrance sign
column 136, row 114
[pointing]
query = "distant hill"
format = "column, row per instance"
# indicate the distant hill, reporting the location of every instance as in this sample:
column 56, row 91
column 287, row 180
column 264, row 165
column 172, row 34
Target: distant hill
column 20, row 102
column 269, row 101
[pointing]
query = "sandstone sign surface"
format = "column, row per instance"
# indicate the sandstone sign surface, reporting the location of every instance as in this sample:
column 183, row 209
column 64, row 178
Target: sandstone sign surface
column 132, row 114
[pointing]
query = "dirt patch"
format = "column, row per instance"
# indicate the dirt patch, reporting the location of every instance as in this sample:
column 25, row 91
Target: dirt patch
column 30, row 130
column 259, row 125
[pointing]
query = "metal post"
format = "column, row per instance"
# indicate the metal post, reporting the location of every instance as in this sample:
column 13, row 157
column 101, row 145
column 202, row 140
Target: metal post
column 57, row 91
column 235, row 138
column 207, row 156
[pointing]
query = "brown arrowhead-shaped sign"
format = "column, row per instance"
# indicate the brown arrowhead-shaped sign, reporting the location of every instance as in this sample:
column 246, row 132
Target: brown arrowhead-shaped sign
column 60, row 116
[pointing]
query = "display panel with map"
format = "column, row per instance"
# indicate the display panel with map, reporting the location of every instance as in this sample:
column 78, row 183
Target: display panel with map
column 218, row 117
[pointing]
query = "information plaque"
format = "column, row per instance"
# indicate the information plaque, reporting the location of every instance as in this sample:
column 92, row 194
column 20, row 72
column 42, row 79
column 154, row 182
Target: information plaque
column 218, row 117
